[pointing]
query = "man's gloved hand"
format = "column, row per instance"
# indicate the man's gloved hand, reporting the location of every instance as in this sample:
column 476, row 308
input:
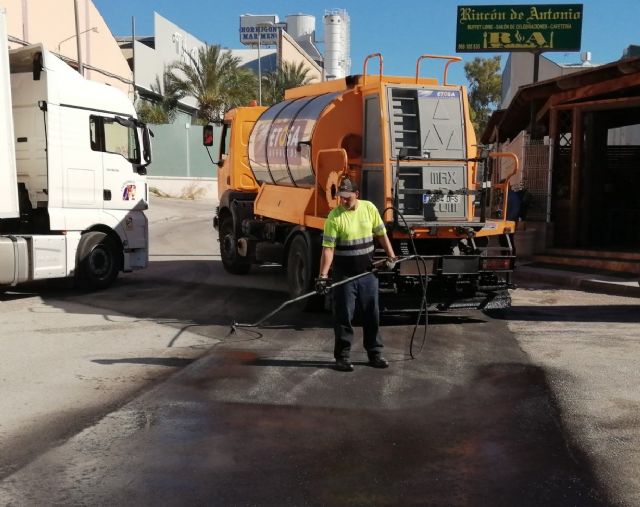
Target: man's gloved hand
column 322, row 285
column 390, row 263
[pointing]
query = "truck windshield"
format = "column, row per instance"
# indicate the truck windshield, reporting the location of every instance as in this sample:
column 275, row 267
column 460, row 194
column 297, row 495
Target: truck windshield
column 122, row 140
column 110, row 136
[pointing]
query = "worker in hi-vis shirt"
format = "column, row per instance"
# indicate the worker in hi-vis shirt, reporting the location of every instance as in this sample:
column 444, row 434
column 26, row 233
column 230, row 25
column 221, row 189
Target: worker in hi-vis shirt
column 348, row 244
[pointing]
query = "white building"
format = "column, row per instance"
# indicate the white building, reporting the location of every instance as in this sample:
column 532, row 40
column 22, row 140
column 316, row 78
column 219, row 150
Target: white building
column 518, row 71
column 151, row 55
column 52, row 23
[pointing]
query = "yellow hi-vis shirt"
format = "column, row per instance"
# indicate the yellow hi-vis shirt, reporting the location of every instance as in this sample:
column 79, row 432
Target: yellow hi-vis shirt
column 350, row 233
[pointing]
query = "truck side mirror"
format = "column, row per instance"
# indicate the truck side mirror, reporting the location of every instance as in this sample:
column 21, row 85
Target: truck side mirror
column 207, row 135
column 146, row 145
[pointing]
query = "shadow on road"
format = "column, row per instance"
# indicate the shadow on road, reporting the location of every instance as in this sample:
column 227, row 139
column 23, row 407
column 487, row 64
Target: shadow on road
column 575, row 313
column 188, row 295
column 175, row 362
column 433, row 318
column 296, row 363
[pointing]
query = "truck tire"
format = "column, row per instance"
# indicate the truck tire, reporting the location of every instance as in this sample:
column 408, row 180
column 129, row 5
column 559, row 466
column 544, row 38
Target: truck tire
column 299, row 269
column 231, row 261
column 301, row 273
column 98, row 260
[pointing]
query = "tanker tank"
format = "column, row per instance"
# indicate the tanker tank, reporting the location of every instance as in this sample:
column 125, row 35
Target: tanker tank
column 280, row 143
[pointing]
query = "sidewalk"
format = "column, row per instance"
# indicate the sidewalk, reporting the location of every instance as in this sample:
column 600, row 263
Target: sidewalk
column 530, row 274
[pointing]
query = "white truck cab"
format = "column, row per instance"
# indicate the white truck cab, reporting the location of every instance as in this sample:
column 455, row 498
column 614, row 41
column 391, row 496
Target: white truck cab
column 73, row 161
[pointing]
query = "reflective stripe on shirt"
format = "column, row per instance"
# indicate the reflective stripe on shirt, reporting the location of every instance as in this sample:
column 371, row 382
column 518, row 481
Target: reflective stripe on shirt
column 350, row 233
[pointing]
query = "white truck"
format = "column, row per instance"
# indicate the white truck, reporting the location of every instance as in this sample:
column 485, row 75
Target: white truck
column 73, row 161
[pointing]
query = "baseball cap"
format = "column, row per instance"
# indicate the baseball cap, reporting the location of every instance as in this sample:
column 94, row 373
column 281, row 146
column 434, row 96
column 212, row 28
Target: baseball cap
column 347, row 187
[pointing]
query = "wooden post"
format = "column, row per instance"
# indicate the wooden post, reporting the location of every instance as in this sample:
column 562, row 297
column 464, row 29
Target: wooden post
column 587, row 165
column 576, row 155
column 553, row 134
column 532, row 105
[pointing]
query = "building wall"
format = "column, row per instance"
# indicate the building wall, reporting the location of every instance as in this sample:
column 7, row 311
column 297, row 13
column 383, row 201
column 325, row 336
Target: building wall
column 51, row 22
column 146, row 66
column 518, row 71
column 172, row 44
column 290, row 51
column 249, row 59
column 624, row 136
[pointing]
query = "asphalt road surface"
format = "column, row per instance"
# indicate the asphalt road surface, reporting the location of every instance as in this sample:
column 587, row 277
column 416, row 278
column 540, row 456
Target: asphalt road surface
column 141, row 395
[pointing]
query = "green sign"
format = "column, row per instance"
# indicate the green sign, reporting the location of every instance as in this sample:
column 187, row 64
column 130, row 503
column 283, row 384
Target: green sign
column 504, row 28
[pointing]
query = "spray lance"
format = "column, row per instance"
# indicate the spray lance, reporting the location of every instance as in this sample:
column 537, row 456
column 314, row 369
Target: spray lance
column 302, row 297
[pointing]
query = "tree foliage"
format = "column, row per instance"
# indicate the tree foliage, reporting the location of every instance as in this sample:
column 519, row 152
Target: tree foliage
column 485, row 89
column 151, row 112
column 214, row 78
column 162, row 110
column 289, row 75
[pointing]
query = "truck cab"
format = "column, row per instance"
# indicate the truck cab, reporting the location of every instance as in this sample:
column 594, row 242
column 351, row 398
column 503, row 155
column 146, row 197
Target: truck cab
column 73, row 188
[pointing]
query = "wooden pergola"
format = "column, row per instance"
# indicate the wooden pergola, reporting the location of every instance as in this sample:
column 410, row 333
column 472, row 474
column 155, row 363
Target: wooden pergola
column 560, row 109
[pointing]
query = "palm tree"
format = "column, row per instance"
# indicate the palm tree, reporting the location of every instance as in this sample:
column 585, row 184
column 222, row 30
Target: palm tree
column 289, row 75
column 162, row 110
column 213, row 77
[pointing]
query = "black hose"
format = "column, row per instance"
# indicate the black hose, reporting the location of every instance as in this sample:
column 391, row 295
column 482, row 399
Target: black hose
column 423, row 304
column 424, row 282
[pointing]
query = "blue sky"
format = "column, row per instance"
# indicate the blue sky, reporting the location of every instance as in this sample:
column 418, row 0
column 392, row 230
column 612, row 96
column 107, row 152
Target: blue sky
column 400, row 30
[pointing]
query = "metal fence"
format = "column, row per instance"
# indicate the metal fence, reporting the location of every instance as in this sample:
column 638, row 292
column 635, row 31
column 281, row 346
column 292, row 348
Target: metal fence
column 178, row 151
column 534, row 173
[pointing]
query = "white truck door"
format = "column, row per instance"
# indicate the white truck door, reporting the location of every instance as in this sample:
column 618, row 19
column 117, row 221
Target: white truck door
column 9, row 207
column 121, row 182
column 82, row 167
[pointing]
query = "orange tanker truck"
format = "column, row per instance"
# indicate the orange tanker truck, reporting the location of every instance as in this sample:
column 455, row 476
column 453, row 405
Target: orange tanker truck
column 409, row 144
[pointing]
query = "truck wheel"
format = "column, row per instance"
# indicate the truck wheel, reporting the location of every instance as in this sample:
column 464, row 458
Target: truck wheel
column 98, row 260
column 299, row 269
column 231, row 261
column 300, row 274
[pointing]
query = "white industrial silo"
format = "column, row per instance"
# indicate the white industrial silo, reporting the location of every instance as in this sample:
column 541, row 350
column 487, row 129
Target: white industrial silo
column 337, row 60
column 301, row 26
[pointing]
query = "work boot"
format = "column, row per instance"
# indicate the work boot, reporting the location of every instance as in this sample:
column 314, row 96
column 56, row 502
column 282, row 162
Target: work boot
column 344, row 365
column 377, row 361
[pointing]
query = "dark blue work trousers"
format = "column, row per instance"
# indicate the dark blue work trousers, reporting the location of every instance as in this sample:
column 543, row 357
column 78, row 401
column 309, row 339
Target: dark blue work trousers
column 361, row 293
